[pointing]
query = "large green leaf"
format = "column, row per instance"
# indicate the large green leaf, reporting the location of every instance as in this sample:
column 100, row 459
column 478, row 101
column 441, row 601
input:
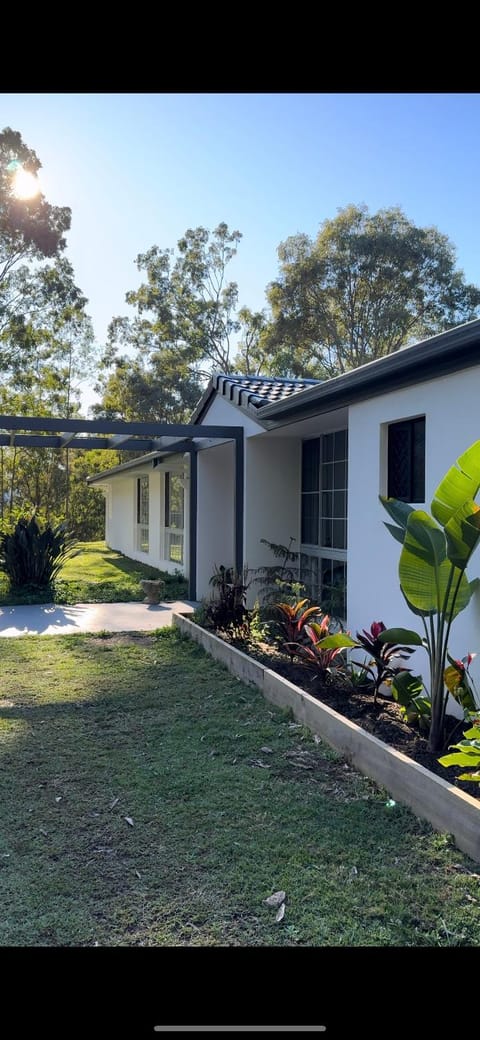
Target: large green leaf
column 399, row 511
column 426, row 573
column 460, row 483
column 421, row 562
column 397, row 532
column 340, row 640
column 400, row 636
column 463, row 533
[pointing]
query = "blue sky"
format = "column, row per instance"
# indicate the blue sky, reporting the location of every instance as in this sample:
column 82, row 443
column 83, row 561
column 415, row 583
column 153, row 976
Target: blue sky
column 139, row 169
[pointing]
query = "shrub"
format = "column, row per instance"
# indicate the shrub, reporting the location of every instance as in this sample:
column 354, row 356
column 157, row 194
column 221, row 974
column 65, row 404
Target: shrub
column 31, row 557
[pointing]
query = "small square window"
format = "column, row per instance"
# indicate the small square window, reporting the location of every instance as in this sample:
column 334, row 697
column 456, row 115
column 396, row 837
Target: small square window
column 406, row 460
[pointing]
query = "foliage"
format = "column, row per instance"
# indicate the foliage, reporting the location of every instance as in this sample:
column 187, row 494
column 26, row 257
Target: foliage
column 32, row 557
column 467, row 751
column 292, row 622
column 278, row 581
column 47, row 348
column 409, row 692
column 460, row 683
column 29, row 228
column 381, row 666
column 227, row 611
column 182, row 331
column 368, row 285
column 87, row 505
column 432, row 569
column 315, row 655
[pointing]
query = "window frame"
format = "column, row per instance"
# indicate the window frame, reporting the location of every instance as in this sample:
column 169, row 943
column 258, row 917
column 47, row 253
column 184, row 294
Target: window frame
column 416, row 478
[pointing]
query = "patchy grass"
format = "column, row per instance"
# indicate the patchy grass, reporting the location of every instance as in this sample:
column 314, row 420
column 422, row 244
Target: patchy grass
column 98, row 575
column 150, row 799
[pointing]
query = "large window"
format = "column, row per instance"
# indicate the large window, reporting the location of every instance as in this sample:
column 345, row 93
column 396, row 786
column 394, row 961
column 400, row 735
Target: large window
column 142, row 513
column 324, row 520
column 174, row 517
column 406, row 460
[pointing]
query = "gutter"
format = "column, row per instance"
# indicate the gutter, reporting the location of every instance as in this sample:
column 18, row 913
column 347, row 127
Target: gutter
column 439, row 355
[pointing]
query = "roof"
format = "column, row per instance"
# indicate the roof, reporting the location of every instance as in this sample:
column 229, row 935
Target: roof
column 250, row 392
column 440, row 355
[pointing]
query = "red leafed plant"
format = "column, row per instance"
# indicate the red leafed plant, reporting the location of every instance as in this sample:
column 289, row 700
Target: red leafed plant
column 312, row 654
column 381, row 666
column 292, row 622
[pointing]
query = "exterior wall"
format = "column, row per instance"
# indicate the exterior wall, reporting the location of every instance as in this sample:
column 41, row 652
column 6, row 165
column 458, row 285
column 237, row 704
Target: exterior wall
column 272, row 497
column 215, row 532
column 223, row 413
column 121, row 527
column 450, row 406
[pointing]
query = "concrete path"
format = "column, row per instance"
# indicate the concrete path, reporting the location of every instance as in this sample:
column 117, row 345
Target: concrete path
column 53, row 620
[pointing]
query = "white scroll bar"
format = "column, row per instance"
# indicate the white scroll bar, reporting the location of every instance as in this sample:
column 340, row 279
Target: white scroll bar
column 240, row 1029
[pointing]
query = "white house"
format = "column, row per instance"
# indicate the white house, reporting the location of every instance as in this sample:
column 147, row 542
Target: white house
column 316, row 457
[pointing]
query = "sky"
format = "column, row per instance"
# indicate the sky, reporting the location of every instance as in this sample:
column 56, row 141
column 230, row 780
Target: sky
column 139, row 169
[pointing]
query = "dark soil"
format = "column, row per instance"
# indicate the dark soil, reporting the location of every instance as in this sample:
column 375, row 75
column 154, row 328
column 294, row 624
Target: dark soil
column 383, row 720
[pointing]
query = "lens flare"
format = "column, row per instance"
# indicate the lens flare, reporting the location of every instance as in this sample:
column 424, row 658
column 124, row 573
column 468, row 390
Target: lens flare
column 25, row 184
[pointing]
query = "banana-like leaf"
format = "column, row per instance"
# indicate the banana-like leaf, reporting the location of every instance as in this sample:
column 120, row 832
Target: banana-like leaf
column 403, row 636
column 422, row 562
column 406, row 687
column 460, row 484
column 463, row 533
column 397, row 532
column 399, row 511
column 340, row 640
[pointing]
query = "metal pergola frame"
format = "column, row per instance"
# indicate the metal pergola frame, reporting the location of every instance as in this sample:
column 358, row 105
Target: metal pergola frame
column 168, row 438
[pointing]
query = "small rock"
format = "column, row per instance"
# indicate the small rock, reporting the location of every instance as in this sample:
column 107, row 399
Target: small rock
column 276, row 899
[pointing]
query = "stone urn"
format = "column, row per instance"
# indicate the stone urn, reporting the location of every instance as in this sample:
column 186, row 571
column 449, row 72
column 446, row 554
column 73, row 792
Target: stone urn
column 153, row 589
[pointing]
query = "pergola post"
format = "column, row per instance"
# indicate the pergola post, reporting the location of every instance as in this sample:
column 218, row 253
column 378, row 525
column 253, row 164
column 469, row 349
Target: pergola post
column 192, row 524
column 239, row 497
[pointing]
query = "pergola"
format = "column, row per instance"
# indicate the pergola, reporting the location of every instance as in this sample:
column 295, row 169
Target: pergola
column 17, row 431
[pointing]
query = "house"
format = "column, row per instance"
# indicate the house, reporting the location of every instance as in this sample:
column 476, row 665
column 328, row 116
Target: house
column 316, row 457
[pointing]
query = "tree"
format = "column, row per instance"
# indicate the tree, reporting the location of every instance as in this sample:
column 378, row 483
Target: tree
column 366, row 286
column 184, row 328
column 253, row 357
column 46, row 337
column 30, row 229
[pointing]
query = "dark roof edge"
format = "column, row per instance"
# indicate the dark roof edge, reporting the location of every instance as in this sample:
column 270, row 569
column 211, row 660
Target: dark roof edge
column 202, row 405
column 437, row 356
column 130, row 464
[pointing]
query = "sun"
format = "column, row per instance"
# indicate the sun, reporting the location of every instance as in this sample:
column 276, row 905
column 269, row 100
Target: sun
column 25, row 184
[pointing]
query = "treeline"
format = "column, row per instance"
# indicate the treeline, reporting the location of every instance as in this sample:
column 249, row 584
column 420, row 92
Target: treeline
column 365, row 286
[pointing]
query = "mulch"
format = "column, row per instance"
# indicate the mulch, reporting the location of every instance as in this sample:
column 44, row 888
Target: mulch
column 383, row 720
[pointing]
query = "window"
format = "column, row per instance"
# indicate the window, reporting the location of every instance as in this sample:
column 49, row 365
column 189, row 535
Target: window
column 406, row 460
column 142, row 513
column 174, row 517
column 323, row 557
column 324, row 491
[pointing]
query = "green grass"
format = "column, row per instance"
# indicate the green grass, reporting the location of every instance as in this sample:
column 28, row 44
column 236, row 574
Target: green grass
column 95, row 732
column 98, row 575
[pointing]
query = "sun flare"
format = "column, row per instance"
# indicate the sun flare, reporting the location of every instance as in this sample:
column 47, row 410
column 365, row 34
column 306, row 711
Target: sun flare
column 25, row 184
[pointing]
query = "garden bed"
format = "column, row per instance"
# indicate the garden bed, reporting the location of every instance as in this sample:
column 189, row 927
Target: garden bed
column 383, row 720
column 447, row 807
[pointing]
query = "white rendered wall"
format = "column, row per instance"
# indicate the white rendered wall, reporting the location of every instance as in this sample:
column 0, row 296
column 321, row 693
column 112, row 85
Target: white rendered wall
column 451, row 408
column 121, row 516
column 215, row 532
column 272, row 499
column 224, row 413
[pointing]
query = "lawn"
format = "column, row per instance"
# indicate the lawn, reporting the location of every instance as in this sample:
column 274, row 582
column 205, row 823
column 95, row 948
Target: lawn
column 98, row 575
column 150, row 799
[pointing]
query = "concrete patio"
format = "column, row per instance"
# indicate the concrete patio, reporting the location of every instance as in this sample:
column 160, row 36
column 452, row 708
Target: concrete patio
column 49, row 619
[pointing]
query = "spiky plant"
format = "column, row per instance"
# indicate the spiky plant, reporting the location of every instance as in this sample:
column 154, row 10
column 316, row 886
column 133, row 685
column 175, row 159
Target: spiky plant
column 31, row 557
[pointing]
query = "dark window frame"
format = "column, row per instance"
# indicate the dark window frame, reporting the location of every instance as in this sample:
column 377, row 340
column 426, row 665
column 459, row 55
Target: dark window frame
column 406, row 460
